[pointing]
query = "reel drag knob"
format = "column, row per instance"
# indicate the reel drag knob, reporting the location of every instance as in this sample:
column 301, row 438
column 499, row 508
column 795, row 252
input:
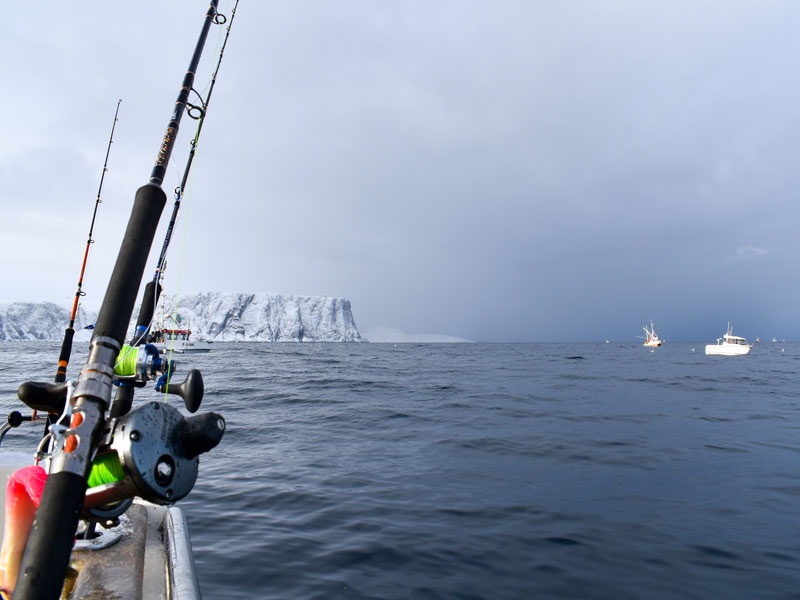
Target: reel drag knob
column 201, row 433
column 191, row 390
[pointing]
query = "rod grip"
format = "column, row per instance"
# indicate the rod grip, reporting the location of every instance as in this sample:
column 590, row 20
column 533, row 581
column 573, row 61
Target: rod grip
column 46, row 557
column 115, row 312
column 123, row 401
column 63, row 358
column 152, row 291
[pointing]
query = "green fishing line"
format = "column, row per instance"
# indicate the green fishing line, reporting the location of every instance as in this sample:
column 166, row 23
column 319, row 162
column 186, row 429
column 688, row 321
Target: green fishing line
column 126, row 362
column 106, row 468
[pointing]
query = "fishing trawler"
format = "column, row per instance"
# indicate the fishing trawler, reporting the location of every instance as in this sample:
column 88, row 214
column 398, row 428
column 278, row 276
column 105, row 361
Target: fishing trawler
column 176, row 340
column 172, row 339
column 729, row 345
column 93, row 517
column 651, row 340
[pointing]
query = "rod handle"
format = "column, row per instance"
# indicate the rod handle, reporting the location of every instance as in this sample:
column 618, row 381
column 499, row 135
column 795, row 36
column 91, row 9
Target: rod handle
column 115, row 312
column 46, row 557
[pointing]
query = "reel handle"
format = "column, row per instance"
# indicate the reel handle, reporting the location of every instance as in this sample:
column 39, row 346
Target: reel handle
column 15, row 419
column 191, row 390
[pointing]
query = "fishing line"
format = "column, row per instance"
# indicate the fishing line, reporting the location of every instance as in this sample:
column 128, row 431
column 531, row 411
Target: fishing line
column 199, row 113
column 181, row 193
column 188, row 198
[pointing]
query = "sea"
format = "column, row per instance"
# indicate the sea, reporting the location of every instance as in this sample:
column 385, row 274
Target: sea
column 475, row 470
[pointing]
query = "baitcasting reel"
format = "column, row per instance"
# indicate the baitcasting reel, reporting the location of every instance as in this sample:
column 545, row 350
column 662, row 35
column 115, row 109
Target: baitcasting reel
column 158, row 450
column 152, row 451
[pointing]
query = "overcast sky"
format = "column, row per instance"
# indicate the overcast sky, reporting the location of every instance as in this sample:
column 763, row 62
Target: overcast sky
column 500, row 171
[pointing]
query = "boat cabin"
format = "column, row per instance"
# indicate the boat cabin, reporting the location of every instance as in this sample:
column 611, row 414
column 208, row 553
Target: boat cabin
column 177, row 334
column 734, row 339
column 161, row 336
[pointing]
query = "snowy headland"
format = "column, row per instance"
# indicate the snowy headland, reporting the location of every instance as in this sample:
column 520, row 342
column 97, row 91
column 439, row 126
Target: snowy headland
column 213, row 316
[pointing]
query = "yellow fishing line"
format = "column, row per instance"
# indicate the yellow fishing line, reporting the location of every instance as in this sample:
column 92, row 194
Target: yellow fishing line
column 187, row 198
column 126, row 361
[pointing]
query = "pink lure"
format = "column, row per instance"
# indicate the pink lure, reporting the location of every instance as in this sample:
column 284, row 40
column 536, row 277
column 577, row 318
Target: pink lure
column 23, row 493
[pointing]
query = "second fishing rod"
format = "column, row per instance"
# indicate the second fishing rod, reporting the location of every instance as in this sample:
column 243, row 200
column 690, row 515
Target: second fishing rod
column 66, row 345
column 123, row 399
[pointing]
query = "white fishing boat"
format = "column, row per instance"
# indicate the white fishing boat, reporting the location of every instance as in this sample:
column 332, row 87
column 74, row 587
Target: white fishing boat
column 169, row 338
column 651, row 340
column 177, row 340
column 729, row 345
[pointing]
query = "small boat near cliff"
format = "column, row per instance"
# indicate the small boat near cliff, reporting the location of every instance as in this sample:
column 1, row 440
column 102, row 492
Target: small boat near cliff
column 729, row 345
column 169, row 335
column 176, row 340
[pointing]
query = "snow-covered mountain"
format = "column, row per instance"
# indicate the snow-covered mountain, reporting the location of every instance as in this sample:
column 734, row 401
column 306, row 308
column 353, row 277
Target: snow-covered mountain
column 214, row 316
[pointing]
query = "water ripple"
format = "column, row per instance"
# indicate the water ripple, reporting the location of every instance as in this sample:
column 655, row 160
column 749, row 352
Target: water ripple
column 586, row 471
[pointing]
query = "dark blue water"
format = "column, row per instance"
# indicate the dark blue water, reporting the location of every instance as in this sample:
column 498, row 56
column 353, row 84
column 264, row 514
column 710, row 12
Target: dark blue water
column 491, row 470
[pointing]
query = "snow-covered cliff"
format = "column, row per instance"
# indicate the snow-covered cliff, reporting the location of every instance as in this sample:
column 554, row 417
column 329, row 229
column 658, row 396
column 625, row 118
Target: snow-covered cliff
column 39, row 321
column 263, row 317
column 214, row 316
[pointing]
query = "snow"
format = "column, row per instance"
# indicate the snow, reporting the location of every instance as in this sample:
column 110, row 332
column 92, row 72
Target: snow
column 39, row 321
column 213, row 316
column 228, row 317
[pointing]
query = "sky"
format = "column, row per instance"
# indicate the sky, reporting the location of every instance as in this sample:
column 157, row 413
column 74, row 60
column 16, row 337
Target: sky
column 514, row 170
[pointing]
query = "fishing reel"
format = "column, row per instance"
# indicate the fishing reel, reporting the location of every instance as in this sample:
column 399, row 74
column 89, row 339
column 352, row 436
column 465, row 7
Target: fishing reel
column 138, row 365
column 135, row 367
column 153, row 449
column 158, row 451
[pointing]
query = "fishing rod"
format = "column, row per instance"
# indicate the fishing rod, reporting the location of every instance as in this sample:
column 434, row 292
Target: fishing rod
column 153, row 288
column 66, row 345
column 47, row 552
column 15, row 418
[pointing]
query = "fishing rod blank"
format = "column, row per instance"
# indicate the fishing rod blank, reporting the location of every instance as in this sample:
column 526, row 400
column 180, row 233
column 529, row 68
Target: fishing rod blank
column 152, row 290
column 203, row 110
column 46, row 557
column 66, row 345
